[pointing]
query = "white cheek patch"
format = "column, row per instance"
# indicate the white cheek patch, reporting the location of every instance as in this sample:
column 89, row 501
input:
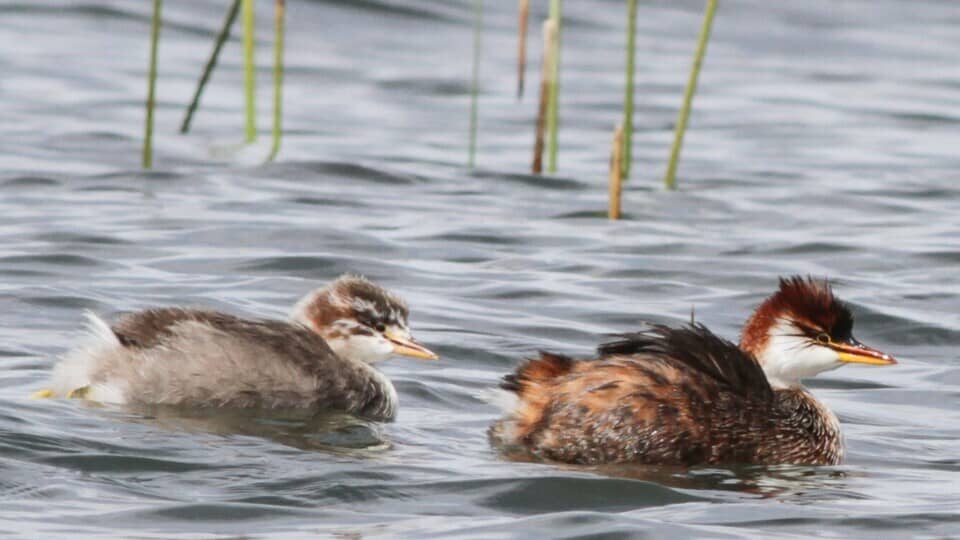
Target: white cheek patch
column 366, row 346
column 790, row 356
column 369, row 349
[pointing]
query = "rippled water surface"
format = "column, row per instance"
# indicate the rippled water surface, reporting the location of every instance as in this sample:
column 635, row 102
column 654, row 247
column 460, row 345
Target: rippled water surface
column 824, row 141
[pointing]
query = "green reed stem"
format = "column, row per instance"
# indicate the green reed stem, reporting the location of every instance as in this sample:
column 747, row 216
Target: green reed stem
column 670, row 181
column 152, row 85
column 543, row 96
column 211, row 63
column 616, row 173
column 628, row 97
column 475, row 80
column 249, row 70
column 278, row 22
column 552, row 108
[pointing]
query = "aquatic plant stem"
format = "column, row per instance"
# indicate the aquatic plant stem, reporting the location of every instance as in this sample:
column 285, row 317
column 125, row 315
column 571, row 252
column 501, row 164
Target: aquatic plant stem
column 616, row 172
column 670, row 181
column 628, row 97
column 475, row 81
column 152, row 85
column 553, row 109
column 279, row 13
column 549, row 37
column 522, row 45
column 211, row 63
column 249, row 70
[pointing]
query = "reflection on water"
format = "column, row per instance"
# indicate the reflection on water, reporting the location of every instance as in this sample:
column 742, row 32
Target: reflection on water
column 793, row 482
column 780, row 481
column 328, row 432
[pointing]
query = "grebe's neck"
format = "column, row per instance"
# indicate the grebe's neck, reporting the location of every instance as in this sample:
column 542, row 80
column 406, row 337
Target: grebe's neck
column 383, row 403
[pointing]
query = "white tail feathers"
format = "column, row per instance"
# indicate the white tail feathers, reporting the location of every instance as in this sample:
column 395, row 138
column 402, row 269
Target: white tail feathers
column 99, row 329
column 74, row 369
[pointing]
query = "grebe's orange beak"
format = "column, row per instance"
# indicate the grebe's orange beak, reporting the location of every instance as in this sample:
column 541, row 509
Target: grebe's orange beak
column 406, row 346
column 854, row 352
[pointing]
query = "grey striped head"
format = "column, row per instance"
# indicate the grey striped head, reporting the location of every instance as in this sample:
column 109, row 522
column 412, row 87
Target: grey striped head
column 360, row 320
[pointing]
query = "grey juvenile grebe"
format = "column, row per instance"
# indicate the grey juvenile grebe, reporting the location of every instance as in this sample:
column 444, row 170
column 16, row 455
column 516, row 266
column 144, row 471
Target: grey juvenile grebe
column 320, row 359
column 685, row 396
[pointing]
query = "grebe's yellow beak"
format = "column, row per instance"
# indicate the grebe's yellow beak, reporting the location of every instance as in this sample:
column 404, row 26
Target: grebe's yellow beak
column 854, row 352
column 406, row 346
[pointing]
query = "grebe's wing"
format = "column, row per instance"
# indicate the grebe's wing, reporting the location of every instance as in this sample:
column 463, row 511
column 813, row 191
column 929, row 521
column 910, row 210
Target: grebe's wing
column 698, row 349
column 147, row 328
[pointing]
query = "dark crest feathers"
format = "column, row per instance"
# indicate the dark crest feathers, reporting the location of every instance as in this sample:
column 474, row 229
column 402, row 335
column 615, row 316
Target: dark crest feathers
column 812, row 300
column 696, row 348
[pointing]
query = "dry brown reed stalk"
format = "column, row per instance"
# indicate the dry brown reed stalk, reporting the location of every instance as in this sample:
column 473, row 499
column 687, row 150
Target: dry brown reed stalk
column 522, row 45
column 546, row 82
column 616, row 173
column 553, row 109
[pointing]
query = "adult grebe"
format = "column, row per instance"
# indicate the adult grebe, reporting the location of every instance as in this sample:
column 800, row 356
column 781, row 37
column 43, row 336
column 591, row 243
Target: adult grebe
column 320, row 360
column 686, row 397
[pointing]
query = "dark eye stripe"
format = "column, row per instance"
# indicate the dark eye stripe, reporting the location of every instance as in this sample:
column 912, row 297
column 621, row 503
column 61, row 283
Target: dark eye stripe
column 809, row 331
column 839, row 332
column 370, row 321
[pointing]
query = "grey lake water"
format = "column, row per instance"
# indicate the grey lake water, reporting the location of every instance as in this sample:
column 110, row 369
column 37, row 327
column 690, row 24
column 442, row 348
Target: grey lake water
column 824, row 141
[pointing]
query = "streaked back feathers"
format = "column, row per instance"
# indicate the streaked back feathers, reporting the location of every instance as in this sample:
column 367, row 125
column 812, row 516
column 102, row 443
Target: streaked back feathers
column 698, row 350
column 537, row 370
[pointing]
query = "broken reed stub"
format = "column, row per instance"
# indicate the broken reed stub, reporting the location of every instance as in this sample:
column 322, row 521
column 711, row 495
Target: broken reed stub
column 616, row 173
